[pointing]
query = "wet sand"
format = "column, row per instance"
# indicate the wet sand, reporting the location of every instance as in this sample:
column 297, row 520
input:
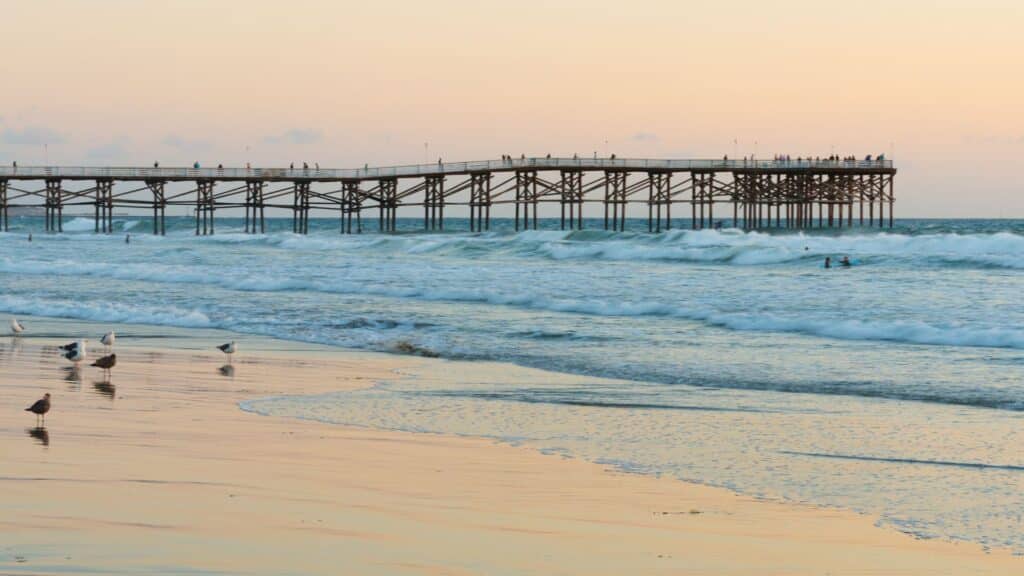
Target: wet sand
column 159, row 472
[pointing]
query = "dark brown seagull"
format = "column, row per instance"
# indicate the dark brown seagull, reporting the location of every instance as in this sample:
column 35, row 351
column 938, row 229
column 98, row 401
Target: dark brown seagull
column 106, row 362
column 40, row 408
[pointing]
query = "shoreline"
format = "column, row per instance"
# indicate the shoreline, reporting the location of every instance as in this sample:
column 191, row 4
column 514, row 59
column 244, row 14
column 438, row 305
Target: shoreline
column 170, row 434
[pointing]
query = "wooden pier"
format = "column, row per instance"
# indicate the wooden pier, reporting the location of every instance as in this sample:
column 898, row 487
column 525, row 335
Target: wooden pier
column 752, row 194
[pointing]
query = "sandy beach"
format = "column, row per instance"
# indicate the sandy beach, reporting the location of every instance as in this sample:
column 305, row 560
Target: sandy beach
column 160, row 472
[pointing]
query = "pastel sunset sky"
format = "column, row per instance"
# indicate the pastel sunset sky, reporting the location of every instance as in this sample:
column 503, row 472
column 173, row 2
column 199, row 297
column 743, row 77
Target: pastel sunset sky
column 937, row 85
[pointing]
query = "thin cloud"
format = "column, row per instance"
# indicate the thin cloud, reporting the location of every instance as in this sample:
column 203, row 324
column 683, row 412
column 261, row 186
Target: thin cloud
column 111, row 151
column 175, row 141
column 31, row 136
column 645, row 137
column 296, row 136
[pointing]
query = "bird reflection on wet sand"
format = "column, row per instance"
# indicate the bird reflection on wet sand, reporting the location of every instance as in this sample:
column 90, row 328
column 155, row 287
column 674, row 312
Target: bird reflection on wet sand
column 227, row 370
column 40, row 434
column 104, row 388
column 73, row 374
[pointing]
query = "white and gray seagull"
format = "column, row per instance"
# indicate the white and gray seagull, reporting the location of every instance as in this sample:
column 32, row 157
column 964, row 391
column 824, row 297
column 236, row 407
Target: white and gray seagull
column 16, row 326
column 108, row 339
column 228, row 349
column 77, row 353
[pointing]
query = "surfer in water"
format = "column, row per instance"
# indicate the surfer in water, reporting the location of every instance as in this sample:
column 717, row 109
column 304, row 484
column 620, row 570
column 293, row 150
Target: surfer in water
column 828, row 261
column 845, row 262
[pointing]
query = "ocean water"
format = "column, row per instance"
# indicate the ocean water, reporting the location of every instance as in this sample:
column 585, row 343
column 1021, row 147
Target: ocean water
column 894, row 387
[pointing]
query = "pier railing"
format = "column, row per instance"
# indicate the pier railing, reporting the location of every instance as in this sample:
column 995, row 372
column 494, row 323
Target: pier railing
column 434, row 169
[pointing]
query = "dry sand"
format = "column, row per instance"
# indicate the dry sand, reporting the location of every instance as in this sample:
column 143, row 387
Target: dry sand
column 160, row 472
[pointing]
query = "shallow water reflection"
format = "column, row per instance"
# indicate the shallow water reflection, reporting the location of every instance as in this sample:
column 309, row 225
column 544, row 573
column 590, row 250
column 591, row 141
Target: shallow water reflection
column 104, row 388
column 40, row 434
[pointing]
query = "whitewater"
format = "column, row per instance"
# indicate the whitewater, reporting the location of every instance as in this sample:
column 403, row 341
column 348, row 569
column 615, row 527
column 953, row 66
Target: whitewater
column 893, row 387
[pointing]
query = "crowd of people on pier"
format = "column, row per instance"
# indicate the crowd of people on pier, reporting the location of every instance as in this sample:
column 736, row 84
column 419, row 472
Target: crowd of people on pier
column 786, row 159
column 834, row 158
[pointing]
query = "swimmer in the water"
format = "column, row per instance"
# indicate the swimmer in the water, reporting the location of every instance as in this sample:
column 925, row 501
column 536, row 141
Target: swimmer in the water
column 845, row 261
column 828, row 262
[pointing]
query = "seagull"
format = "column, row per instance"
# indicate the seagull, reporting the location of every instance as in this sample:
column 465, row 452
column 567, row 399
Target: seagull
column 68, row 347
column 40, row 408
column 106, row 362
column 228, row 349
column 16, row 326
column 108, row 339
column 77, row 353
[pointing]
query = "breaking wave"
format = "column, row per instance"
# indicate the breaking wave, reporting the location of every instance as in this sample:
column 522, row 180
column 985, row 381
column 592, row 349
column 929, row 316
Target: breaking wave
column 734, row 247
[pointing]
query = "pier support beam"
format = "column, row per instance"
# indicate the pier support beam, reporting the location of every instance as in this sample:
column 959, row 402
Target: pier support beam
column 351, row 203
column 388, row 205
column 54, row 206
column 204, row 207
column 433, row 203
column 255, row 220
column 658, row 195
column 572, row 197
column 615, row 198
column 300, row 207
column 104, row 204
column 479, row 202
column 5, row 224
column 526, row 196
column 156, row 187
column 702, row 195
column 892, row 201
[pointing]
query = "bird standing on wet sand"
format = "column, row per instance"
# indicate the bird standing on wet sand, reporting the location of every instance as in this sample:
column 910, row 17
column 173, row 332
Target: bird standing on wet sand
column 228, row 349
column 106, row 362
column 108, row 339
column 40, row 408
column 76, row 354
column 16, row 326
